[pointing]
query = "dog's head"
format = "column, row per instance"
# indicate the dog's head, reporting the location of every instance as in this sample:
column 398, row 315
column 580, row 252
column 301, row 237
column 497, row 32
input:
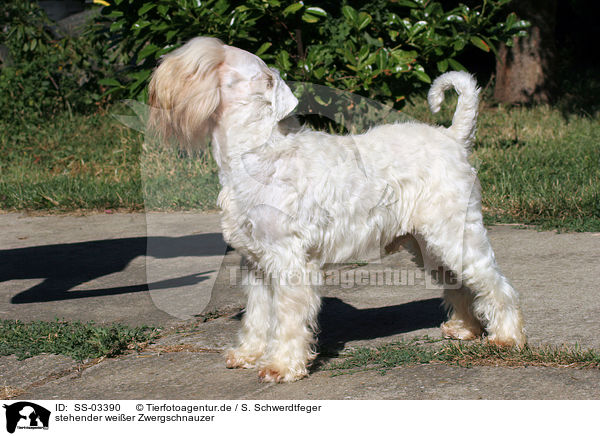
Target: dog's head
column 200, row 84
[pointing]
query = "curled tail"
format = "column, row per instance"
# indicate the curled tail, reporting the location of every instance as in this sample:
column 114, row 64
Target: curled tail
column 465, row 117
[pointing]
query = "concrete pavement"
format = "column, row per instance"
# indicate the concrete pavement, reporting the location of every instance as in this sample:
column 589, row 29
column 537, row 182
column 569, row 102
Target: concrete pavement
column 172, row 270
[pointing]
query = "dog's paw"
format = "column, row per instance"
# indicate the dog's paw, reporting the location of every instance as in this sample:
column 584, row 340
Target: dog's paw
column 458, row 329
column 510, row 333
column 518, row 340
column 269, row 375
column 237, row 359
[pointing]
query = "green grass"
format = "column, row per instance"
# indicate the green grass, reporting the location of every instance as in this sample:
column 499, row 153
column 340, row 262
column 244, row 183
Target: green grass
column 172, row 180
column 537, row 166
column 75, row 339
column 426, row 351
column 540, row 168
column 95, row 163
column 64, row 164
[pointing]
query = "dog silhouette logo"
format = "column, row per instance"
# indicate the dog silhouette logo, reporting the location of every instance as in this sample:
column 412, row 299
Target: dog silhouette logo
column 26, row 415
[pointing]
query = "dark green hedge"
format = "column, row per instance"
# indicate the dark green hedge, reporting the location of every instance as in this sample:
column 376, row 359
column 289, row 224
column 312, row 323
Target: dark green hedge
column 385, row 50
column 381, row 49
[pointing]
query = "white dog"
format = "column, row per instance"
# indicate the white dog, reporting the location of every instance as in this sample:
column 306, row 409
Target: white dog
column 289, row 213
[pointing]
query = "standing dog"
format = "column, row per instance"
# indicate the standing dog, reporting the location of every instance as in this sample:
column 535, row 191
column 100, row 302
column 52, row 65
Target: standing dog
column 288, row 213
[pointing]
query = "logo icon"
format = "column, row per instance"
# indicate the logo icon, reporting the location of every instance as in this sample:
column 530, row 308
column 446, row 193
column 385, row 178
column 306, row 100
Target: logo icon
column 26, row 415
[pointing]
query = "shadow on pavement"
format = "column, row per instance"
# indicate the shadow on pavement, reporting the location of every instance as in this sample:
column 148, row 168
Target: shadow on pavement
column 341, row 323
column 65, row 266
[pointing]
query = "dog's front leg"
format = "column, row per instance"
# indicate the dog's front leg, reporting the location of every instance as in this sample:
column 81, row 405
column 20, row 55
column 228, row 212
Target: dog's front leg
column 256, row 323
column 296, row 307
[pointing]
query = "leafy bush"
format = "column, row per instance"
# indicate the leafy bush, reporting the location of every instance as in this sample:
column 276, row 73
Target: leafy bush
column 381, row 49
column 385, row 50
column 47, row 74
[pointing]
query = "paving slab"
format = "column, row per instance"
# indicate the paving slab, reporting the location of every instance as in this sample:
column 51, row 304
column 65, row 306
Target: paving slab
column 21, row 374
column 202, row 376
column 173, row 270
column 102, row 267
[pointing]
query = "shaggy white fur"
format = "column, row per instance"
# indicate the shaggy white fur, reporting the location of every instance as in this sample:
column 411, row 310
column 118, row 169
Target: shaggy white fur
column 294, row 201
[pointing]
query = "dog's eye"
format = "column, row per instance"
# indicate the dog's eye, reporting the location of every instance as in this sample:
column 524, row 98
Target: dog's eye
column 270, row 81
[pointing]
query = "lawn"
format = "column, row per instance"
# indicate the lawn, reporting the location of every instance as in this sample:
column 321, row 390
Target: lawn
column 64, row 164
column 425, row 350
column 537, row 166
column 78, row 340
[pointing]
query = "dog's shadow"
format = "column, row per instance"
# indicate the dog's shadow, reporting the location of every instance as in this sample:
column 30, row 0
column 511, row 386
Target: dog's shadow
column 341, row 323
column 63, row 267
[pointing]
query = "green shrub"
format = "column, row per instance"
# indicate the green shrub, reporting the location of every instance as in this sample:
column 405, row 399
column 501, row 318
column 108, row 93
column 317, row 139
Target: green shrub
column 47, row 74
column 381, row 49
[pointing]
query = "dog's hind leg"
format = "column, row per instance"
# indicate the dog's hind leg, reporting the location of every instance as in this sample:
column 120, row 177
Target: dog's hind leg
column 296, row 306
column 256, row 323
column 460, row 241
column 462, row 323
column 496, row 303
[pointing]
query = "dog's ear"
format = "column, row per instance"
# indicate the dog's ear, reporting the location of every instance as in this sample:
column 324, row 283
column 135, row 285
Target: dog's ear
column 184, row 93
column 284, row 101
